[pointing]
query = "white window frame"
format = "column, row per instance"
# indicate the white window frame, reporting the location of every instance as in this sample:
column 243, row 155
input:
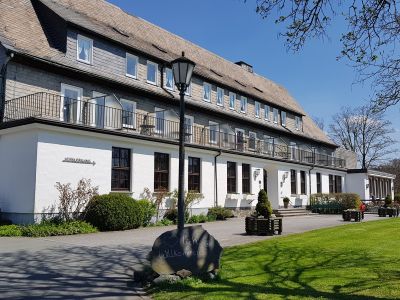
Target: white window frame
column 213, row 141
column 266, row 112
column 243, row 99
column 156, row 110
column 257, row 111
column 231, row 94
column 255, row 140
column 222, row 100
column 147, row 73
column 298, row 122
column 173, row 83
column 189, row 139
column 275, row 115
column 82, row 37
column 78, row 106
column 132, row 126
column 209, row 85
column 128, row 55
column 283, row 118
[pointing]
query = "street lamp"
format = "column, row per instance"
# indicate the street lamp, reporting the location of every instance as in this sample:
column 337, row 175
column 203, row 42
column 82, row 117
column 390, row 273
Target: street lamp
column 182, row 69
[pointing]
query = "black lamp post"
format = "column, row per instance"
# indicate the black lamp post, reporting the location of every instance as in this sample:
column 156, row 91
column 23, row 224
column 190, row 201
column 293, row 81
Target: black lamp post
column 182, row 69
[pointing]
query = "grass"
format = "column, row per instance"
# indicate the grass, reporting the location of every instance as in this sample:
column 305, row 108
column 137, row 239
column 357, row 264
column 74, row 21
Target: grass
column 355, row 261
column 47, row 229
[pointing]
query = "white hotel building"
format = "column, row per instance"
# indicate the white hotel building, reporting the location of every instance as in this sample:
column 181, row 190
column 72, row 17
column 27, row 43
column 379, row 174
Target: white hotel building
column 86, row 91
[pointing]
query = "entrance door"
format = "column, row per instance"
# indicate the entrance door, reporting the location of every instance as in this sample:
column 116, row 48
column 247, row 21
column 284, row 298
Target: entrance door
column 265, row 180
column 71, row 97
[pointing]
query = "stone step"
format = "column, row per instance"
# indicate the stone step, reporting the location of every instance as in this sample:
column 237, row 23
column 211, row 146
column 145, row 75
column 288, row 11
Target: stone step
column 291, row 212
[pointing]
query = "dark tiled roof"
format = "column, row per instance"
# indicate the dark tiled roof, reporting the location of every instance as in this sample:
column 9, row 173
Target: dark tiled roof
column 21, row 30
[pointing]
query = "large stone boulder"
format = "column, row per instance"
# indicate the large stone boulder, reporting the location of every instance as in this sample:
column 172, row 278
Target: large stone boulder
column 192, row 249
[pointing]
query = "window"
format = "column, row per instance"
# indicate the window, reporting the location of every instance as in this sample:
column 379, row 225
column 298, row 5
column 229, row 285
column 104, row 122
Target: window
column 169, row 79
column 245, row 178
column 283, row 118
column 84, row 49
column 338, row 184
column 131, row 65
column 257, row 109
column 243, row 104
column 239, row 139
column 194, row 174
column 160, row 121
column 252, row 140
column 303, row 182
column 293, row 151
column 206, row 92
column 161, row 172
column 231, row 177
column 152, row 72
column 128, row 113
column 71, row 97
column 232, row 98
column 293, row 182
column 319, row 186
column 220, row 96
column 275, row 112
column 214, row 128
column 121, row 169
column 298, row 122
column 266, row 112
column 331, row 184
column 189, row 129
column 188, row 91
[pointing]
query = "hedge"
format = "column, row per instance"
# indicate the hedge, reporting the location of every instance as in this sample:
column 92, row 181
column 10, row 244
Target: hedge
column 334, row 203
column 220, row 213
column 118, row 211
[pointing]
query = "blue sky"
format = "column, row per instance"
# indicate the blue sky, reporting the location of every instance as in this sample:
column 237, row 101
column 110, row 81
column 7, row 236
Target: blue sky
column 232, row 29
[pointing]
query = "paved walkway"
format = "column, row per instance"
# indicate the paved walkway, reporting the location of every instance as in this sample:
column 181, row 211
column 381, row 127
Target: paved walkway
column 100, row 265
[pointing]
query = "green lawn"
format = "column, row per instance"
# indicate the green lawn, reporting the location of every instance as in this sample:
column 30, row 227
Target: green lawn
column 355, row 261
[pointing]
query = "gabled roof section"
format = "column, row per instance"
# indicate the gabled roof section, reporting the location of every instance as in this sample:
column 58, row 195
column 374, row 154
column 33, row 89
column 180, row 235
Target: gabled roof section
column 21, row 28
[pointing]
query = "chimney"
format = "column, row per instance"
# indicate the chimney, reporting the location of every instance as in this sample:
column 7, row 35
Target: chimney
column 245, row 66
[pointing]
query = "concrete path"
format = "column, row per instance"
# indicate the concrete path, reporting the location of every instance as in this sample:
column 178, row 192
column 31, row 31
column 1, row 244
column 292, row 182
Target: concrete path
column 100, row 266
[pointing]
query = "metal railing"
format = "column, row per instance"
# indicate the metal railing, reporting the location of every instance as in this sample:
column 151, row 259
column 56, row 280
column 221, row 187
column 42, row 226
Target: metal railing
column 92, row 114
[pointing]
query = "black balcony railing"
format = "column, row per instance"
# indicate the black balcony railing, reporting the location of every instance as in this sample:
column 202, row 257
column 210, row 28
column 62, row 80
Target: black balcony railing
column 92, row 114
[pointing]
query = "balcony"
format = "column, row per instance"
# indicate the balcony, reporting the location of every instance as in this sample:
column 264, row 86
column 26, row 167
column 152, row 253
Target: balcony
column 91, row 114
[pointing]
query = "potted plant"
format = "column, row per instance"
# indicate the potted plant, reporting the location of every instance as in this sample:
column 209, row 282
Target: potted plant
column 263, row 207
column 286, row 201
column 388, row 201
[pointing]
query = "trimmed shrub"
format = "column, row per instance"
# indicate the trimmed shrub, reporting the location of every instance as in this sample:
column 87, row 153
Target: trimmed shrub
column 388, row 200
column 147, row 211
column 350, row 200
column 10, row 230
column 202, row 218
column 220, row 213
column 172, row 215
column 263, row 207
column 114, row 212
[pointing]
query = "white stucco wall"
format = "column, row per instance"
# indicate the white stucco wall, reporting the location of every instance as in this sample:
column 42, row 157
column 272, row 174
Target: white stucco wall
column 356, row 183
column 17, row 170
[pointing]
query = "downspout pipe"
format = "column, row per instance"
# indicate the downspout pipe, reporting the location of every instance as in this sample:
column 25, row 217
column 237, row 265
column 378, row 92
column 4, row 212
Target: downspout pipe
column 3, row 74
column 216, row 179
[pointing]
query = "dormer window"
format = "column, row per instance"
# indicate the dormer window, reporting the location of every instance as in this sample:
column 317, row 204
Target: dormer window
column 275, row 111
column 257, row 109
column 220, row 97
column 266, row 112
column 207, row 92
column 243, row 104
column 84, row 49
column 152, row 72
column 232, row 98
column 283, row 118
column 169, row 79
column 131, row 65
column 298, row 123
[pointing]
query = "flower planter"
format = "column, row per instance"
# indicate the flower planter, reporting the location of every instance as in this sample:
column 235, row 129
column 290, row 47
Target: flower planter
column 262, row 226
column 352, row 214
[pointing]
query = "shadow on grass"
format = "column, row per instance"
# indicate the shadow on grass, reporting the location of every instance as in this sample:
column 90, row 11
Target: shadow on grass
column 69, row 273
column 289, row 273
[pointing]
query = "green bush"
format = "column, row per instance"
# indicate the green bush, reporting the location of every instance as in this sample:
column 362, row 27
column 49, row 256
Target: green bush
column 202, row 218
column 388, row 200
column 10, row 230
column 47, row 228
column 147, row 211
column 220, row 213
column 172, row 215
column 334, row 203
column 211, row 218
column 397, row 198
column 350, row 200
column 114, row 212
column 263, row 207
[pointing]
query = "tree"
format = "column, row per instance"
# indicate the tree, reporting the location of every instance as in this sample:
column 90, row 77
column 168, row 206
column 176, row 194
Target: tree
column 392, row 167
column 365, row 132
column 370, row 43
column 319, row 122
